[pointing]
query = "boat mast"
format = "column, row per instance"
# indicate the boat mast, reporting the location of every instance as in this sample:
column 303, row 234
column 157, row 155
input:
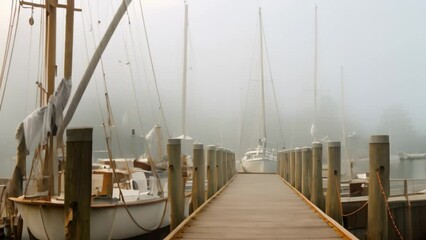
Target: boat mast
column 262, row 84
column 185, row 62
column 342, row 96
column 314, row 125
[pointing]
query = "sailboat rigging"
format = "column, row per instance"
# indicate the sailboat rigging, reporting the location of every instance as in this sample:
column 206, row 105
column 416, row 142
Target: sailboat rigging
column 260, row 159
column 147, row 210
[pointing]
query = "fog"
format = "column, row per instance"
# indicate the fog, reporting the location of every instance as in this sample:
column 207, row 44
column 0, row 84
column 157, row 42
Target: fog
column 380, row 44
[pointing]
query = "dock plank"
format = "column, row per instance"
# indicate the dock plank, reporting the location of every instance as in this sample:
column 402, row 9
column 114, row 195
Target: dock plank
column 257, row 206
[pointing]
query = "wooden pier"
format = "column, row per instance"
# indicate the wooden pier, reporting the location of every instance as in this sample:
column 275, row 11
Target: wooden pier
column 258, row 206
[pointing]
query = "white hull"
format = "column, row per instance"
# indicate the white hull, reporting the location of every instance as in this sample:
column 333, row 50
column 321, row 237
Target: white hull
column 106, row 220
column 259, row 160
column 259, row 166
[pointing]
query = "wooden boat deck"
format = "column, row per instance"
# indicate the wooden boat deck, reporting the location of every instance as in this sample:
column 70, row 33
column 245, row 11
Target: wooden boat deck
column 258, row 206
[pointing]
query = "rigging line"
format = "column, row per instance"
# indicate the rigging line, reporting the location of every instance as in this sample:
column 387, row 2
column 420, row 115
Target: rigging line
column 7, row 53
column 88, row 59
column 41, row 56
column 247, row 94
column 29, row 64
column 136, row 62
column 138, row 110
column 153, row 109
column 7, row 45
column 273, row 88
column 153, row 71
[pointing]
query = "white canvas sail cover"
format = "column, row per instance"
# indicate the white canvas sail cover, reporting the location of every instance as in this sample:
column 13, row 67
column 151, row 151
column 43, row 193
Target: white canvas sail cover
column 156, row 144
column 47, row 119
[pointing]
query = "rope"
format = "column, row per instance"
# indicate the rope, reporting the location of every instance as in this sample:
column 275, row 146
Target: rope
column 273, row 88
column 341, row 206
column 42, row 221
column 153, row 71
column 6, row 54
column 387, row 205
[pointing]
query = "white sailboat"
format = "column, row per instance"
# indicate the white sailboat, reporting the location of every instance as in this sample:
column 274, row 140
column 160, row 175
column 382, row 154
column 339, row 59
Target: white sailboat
column 260, row 159
column 136, row 212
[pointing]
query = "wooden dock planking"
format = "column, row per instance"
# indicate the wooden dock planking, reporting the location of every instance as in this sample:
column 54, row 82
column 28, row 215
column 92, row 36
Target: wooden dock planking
column 256, row 206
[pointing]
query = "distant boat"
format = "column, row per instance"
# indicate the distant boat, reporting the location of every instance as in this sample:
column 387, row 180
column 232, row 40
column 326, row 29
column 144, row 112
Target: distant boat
column 260, row 159
column 411, row 156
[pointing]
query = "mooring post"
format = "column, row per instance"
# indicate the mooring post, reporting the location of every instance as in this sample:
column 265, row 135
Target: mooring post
column 317, row 195
column 230, row 169
column 306, row 172
column 279, row 163
column 287, row 165
column 298, row 169
column 225, row 165
column 211, row 166
column 175, row 183
column 198, row 176
column 379, row 180
column 219, row 164
column 292, row 166
column 78, row 183
column 332, row 206
column 284, row 164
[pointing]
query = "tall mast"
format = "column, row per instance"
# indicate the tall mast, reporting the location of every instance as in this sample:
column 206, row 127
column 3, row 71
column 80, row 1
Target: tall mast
column 342, row 96
column 69, row 35
column 185, row 60
column 314, row 125
column 262, row 84
column 50, row 47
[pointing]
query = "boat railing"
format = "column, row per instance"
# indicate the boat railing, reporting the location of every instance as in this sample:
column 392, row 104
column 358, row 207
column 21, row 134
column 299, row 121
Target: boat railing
column 402, row 187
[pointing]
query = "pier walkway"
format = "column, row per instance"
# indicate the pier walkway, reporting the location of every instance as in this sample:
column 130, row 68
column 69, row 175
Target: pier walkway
column 258, row 206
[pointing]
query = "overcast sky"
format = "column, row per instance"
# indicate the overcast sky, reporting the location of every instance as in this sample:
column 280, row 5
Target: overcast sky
column 380, row 44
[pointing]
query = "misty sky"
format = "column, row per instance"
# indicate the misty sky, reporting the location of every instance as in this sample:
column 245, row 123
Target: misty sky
column 380, row 44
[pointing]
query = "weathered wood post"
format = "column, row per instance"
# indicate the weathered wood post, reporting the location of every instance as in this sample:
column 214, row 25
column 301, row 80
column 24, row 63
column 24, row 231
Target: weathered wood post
column 175, row 183
column 317, row 195
column 211, row 167
column 198, row 176
column 229, row 160
column 292, row 166
column 225, row 165
column 78, row 183
column 332, row 206
column 219, row 163
column 279, row 163
column 379, row 175
column 298, row 169
column 287, row 165
column 306, row 172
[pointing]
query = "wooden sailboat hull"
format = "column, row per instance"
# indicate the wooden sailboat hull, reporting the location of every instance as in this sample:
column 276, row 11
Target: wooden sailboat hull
column 107, row 220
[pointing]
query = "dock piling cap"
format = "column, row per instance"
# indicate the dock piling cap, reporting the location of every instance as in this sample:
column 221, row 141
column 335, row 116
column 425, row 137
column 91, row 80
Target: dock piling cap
column 306, row 149
column 198, row 145
column 379, row 139
column 174, row 141
column 211, row 147
column 316, row 145
column 297, row 149
column 333, row 144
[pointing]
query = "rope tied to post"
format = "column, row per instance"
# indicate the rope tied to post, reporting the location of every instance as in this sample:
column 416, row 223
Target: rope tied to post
column 387, row 205
column 341, row 205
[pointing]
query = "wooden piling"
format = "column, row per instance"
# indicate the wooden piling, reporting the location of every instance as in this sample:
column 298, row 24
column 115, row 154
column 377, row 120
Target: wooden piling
column 198, row 176
column 287, row 165
column 317, row 196
column 279, row 163
column 333, row 205
column 78, row 183
column 219, row 164
column 298, row 169
column 292, row 166
column 379, row 169
column 175, row 183
column 306, row 172
column 225, row 165
column 211, row 166
column 229, row 161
